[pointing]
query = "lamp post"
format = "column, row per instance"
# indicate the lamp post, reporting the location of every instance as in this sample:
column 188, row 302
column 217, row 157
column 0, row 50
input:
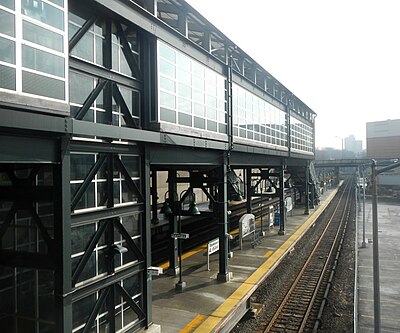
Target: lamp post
column 193, row 210
column 375, row 248
column 180, row 285
column 363, row 244
column 341, row 142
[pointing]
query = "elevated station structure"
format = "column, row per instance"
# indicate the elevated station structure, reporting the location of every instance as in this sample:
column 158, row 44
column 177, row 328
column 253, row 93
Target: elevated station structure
column 97, row 98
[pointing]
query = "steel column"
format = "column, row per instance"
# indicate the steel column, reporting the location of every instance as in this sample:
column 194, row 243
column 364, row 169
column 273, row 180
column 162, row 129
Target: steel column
column 154, row 197
column 248, row 191
column 307, row 190
column 146, row 232
column 62, row 236
column 223, row 274
column 282, row 207
column 173, row 225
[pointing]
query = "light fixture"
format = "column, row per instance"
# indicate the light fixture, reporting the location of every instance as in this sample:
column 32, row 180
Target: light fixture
column 237, row 197
column 193, row 210
column 166, row 209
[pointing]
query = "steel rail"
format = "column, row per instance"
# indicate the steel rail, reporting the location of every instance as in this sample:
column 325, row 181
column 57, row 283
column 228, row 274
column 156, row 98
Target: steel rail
column 308, row 295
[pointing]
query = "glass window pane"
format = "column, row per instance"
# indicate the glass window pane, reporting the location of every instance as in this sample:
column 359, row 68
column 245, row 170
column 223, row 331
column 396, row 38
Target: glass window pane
column 42, row 61
column 184, row 90
column 58, row 2
column 199, row 123
column 43, row 12
column 185, row 119
column 7, row 50
column 85, row 48
column 198, row 69
column 7, row 23
column 7, row 77
column 184, row 105
column 183, row 61
column 167, row 52
column 8, row 3
column 167, row 68
column 41, row 36
column 167, row 84
column 81, row 165
column 43, row 86
column 184, row 76
column 168, row 115
column 80, row 87
column 167, row 100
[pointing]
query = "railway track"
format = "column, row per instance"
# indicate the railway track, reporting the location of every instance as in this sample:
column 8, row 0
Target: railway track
column 301, row 309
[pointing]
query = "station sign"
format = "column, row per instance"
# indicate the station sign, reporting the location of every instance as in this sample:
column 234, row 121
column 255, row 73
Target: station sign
column 213, row 246
column 178, row 235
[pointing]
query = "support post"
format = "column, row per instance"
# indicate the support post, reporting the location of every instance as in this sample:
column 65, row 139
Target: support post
column 223, row 274
column 248, row 191
column 364, row 244
column 375, row 250
column 62, row 237
column 173, row 227
column 154, row 197
column 282, row 200
column 307, row 190
column 312, row 200
column 146, row 231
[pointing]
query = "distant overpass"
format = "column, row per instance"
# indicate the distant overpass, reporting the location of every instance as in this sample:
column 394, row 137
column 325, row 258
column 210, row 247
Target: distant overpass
column 351, row 162
column 345, row 162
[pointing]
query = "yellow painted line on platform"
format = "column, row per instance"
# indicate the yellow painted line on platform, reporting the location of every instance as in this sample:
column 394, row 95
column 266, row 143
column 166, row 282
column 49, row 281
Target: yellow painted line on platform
column 254, row 279
column 193, row 324
column 268, row 253
column 188, row 254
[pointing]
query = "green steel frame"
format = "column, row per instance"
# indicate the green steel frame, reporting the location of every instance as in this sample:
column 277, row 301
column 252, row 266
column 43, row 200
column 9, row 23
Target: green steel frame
column 55, row 137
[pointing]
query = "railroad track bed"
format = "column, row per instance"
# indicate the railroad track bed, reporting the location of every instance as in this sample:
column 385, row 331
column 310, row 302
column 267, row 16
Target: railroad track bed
column 338, row 312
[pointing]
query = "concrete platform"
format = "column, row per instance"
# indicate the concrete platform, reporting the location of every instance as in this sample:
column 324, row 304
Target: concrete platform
column 389, row 260
column 207, row 305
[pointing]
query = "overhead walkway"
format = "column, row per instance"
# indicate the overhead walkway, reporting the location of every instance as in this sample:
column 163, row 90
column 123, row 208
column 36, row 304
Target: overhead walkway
column 208, row 306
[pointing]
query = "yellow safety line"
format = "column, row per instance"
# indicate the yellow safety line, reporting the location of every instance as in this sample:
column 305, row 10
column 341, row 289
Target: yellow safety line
column 268, row 254
column 254, row 279
column 186, row 255
column 193, row 324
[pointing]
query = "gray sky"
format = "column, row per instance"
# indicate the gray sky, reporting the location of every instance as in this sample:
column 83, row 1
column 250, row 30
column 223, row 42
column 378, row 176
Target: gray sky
column 340, row 57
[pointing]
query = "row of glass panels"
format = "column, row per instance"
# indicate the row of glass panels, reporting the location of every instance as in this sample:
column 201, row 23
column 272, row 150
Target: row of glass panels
column 33, row 48
column 193, row 95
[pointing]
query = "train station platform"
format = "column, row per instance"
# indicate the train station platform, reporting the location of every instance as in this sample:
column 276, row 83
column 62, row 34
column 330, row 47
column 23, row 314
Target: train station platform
column 207, row 305
column 389, row 262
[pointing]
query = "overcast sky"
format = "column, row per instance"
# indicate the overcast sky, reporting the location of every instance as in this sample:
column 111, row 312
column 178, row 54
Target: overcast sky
column 340, row 57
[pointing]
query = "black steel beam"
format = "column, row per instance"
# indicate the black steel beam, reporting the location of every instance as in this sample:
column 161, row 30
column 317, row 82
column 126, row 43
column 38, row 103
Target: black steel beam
column 103, row 282
column 13, row 119
column 102, row 147
column 103, row 73
column 82, row 218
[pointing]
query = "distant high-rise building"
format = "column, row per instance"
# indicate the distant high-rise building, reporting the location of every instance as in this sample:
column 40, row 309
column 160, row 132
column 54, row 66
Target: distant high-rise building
column 383, row 139
column 353, row 145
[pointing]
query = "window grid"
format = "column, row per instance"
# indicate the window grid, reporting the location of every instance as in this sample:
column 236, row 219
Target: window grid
column 257, row 120
column 301, row 135
column 28, row 67
column 190, row 94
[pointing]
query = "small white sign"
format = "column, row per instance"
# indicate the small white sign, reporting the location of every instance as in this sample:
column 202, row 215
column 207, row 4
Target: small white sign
column 213, row 246
column 152, row 270
column 178, row 235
